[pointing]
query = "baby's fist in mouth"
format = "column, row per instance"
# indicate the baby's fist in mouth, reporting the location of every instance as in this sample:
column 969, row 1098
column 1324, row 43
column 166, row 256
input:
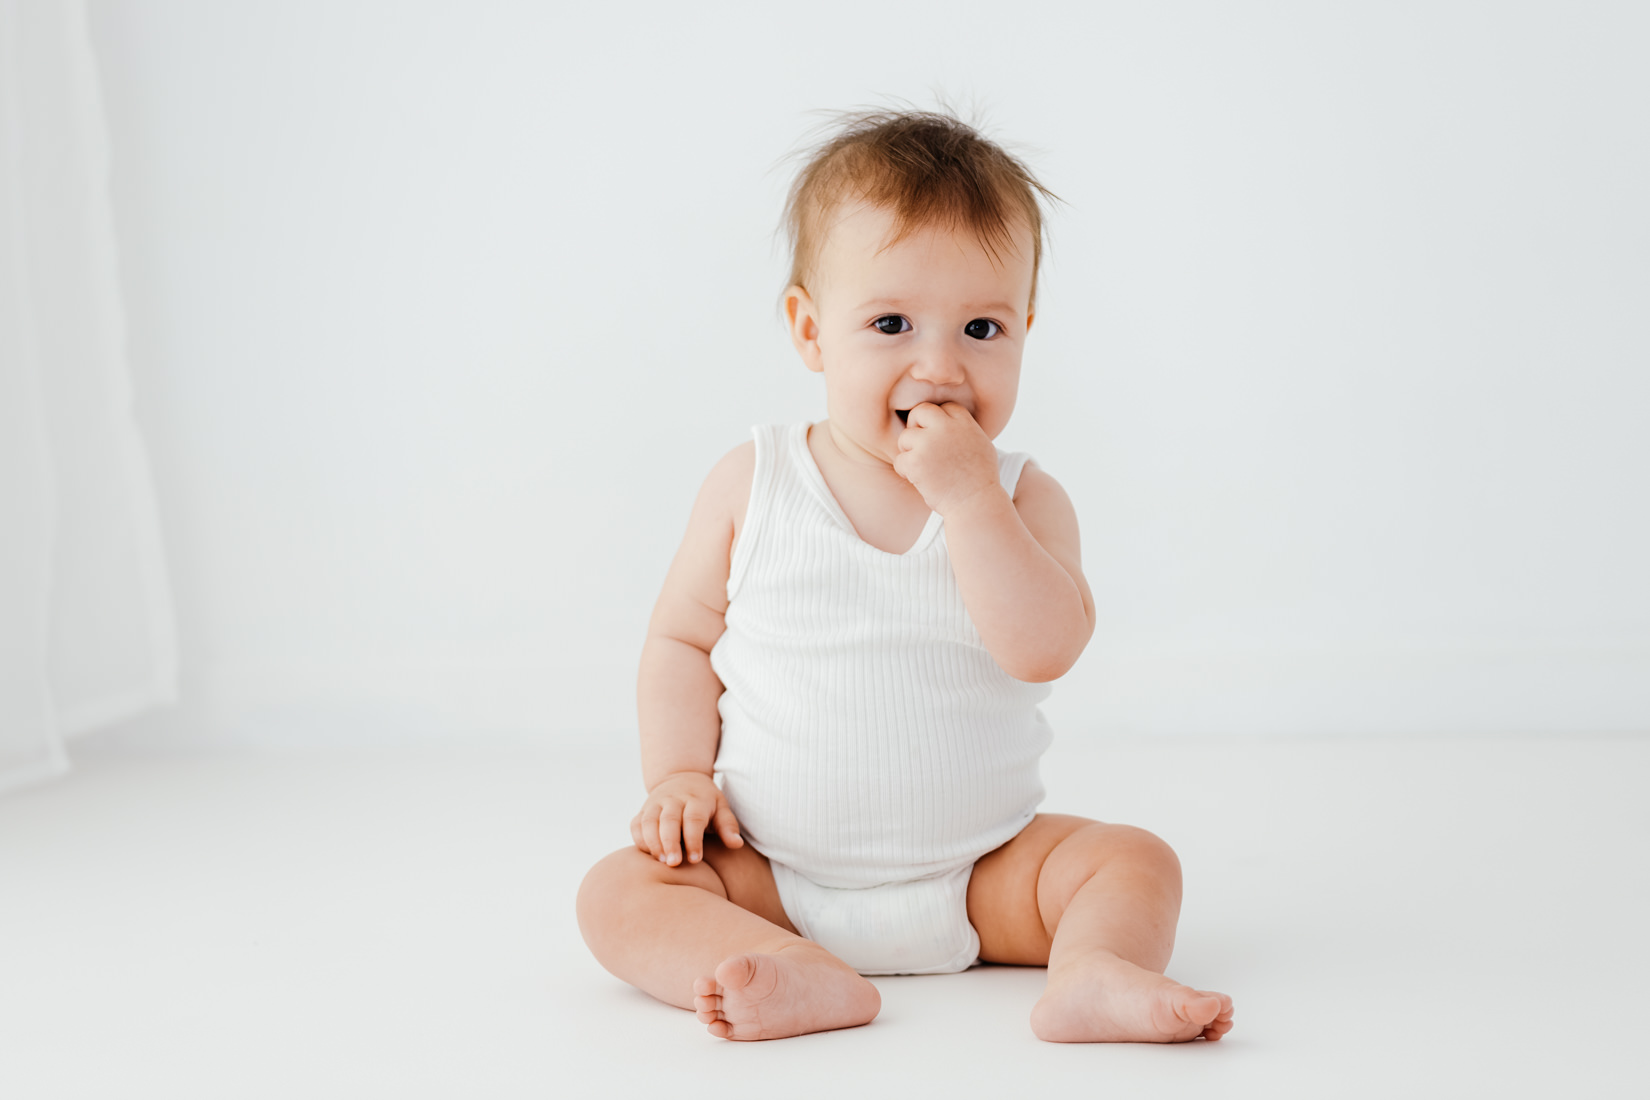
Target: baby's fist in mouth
column 946, row 455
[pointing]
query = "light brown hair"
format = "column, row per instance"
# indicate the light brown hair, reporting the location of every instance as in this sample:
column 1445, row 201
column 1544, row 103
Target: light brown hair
column 930, row 169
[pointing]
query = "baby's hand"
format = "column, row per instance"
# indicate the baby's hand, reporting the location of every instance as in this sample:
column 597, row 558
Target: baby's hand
column 675, row 815
column 946, row 456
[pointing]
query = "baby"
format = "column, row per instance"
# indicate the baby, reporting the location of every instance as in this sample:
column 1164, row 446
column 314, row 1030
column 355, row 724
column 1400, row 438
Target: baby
column 853, row 639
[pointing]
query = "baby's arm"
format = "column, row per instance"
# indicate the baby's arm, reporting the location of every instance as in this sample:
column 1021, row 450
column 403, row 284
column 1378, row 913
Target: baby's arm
column 677, row 691
column 1017, row 562
column 1020, row 570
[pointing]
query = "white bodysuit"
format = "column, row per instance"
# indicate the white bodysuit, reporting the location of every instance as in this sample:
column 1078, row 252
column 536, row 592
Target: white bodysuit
column 871, row 747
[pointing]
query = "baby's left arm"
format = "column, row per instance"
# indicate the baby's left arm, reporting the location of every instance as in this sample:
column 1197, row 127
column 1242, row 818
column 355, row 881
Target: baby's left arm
column 1021, row 575
column 1017, row 562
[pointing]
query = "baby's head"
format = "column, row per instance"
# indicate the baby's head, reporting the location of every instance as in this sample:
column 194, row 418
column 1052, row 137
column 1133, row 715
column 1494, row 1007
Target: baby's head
column 915, row 244
column 927, row 170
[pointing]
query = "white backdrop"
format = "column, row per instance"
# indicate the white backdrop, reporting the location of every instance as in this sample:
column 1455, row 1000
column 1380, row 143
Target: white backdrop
column 440, row 312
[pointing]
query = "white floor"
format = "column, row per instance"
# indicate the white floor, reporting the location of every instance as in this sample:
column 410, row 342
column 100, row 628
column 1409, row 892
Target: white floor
column 1454, row 917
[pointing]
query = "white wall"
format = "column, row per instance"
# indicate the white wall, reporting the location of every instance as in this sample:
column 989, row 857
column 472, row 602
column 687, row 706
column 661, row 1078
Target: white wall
column 440, row 312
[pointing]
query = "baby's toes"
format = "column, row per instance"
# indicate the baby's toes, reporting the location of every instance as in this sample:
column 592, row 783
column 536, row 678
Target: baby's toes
column 1197, row 1009
column 1208, row 1007
column 706, row 987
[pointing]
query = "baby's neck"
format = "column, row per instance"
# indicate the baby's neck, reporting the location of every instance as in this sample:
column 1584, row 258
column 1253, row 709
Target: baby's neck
column 885, row 509
column 846, row 450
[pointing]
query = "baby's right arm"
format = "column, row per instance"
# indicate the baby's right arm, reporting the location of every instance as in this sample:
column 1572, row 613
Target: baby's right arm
column 677, row 691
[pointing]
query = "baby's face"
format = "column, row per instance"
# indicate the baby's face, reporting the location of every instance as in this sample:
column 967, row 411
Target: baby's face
column 932, row 318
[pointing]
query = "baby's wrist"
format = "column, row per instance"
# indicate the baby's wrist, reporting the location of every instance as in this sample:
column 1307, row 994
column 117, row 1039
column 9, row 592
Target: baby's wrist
column 680, row 773
column 983, row 504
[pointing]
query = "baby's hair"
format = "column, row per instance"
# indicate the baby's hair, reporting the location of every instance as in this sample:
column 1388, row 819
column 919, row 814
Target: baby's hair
column 929, row 168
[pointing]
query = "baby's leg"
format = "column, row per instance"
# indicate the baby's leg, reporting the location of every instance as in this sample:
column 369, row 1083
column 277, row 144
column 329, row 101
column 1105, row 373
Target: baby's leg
column 1097, row 904
column 713, row 937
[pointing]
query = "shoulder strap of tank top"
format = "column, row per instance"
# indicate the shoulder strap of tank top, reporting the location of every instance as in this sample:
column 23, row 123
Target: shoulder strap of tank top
column 770, row 450
column 1010, row 465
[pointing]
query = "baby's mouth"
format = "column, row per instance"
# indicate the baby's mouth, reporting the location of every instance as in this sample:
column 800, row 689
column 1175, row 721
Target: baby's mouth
column 903, row 414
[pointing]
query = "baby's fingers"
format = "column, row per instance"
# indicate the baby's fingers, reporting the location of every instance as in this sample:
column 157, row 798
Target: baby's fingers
column 670, row 832
column 727, row 826
column 694, row 819
column 644, row 827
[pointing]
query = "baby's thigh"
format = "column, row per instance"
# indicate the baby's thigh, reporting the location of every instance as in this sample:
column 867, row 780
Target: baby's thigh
column 739, row 875
column 747, row 880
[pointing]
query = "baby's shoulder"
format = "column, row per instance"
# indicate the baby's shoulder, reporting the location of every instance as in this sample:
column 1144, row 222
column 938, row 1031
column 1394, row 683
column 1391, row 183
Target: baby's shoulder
column 1033, row 478
column 1038, row 497
column 726, row 492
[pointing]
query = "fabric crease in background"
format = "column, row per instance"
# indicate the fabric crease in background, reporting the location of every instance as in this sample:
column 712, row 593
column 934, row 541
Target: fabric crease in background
column 86, row 634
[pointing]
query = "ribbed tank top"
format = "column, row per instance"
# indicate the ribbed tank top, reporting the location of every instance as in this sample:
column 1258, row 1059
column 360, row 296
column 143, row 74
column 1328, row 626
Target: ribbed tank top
column 867, row 734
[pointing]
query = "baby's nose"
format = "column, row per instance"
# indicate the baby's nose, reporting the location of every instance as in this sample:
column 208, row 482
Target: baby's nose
column 937, row 365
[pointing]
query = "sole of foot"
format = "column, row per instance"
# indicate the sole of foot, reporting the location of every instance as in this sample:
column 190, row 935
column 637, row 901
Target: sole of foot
column 793, row 991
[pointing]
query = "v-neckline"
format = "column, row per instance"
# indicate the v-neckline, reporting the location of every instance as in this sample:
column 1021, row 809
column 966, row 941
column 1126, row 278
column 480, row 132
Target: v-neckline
column 816, row 480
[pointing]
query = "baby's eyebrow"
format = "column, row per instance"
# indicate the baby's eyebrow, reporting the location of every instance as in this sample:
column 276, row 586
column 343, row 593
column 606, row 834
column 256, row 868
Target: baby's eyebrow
column 897, row 304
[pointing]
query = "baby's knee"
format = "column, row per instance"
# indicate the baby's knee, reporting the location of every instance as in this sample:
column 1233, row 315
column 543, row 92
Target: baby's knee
column 617, row 885
column 1152, row 851
column 600, row 883
column 1127, row 845
column 608, row 885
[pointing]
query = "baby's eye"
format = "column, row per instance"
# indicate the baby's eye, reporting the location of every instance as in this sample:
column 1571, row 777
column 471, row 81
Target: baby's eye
column 981, row 329
column 892, row 325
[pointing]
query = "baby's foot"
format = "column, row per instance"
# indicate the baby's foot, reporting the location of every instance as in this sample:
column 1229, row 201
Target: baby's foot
column 795, row 990
column 1102, row 999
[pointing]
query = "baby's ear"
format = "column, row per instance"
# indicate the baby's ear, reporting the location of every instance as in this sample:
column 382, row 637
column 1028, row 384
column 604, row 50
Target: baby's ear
column 802, row 318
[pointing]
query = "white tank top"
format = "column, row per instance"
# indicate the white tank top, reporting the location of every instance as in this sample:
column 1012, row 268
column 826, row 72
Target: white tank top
column 867, row 734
